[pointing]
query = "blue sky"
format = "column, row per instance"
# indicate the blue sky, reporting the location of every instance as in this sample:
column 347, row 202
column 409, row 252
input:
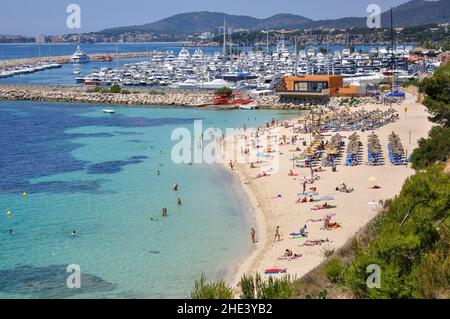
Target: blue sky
column 33, row 17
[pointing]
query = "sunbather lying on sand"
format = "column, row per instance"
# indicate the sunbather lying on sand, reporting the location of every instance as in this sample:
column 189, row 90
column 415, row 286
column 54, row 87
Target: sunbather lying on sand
column 343, row 188
column 375, row 187
column 289, row 255
column 317, row 242
column 291, row 173
column 301, row 200
column 263, row 174
column 328, row 225
column 323, row 206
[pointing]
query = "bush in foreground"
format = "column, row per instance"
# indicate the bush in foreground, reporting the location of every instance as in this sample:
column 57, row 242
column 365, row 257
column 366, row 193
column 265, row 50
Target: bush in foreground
column 211, row 290
column 334, row 270
column 254, row 287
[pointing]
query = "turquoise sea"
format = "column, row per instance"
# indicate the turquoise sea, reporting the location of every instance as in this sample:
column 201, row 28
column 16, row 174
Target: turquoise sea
column 97, row 174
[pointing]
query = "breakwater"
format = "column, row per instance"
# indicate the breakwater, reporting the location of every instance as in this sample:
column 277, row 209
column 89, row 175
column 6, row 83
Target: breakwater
column 7, row 64
column 77, row 94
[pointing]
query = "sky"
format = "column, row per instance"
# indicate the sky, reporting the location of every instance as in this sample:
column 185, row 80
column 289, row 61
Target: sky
column 34, row 17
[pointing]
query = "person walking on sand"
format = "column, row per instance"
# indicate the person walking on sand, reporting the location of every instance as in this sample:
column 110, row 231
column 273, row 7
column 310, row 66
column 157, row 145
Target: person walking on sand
column 277, row 234
column 304, row 187
column 253, row 234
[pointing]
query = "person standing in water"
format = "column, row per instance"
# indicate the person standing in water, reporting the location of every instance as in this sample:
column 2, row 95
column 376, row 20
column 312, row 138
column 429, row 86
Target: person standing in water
column 253, row 234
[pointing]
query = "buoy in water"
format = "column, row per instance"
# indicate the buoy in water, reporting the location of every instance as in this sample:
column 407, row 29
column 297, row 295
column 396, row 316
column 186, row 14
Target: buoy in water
column 24, row 194
column 8, row 214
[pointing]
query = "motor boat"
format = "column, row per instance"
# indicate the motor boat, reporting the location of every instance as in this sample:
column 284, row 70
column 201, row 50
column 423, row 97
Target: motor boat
column 79, row 57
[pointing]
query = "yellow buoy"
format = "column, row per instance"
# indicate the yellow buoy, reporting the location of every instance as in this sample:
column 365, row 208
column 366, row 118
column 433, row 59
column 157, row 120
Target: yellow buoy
column 8, row 214
column 24, row 194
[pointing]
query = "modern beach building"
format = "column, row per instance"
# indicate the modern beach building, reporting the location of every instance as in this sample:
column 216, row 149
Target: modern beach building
column 310, row 86
column 317, row 88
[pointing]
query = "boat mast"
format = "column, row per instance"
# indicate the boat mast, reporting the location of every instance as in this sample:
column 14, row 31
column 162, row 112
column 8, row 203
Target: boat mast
column 224, row 39
column 392, row 58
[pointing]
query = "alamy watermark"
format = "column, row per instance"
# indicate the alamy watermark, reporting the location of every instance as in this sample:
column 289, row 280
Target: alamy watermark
column 74, row 279
column 374, row 279
column 213, row 146
column 74, row 19
column 374, row 19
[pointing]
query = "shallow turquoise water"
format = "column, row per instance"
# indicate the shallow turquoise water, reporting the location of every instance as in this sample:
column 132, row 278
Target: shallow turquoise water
column 96, row 174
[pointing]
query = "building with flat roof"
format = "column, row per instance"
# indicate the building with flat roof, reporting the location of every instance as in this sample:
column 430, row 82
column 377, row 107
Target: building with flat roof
column 310, row 86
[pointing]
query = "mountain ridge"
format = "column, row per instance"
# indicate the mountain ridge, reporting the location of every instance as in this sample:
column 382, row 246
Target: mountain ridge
column 411, row 13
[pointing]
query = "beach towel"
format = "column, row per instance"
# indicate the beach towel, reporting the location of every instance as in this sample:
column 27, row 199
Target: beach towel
column 275, row 271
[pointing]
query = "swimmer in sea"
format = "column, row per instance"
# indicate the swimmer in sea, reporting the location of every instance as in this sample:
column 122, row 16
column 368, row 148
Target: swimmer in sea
column 73, row 234
column 179, row 201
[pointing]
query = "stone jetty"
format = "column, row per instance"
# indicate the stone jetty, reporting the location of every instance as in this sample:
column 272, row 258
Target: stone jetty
column 77, row 94
column 8, row 64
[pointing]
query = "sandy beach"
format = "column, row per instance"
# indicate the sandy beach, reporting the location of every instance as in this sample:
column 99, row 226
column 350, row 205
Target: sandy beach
column 351, row 210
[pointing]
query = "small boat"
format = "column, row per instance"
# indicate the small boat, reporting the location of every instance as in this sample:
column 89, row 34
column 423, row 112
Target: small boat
column 248, row 107
column 108, row 111
column 76, row 71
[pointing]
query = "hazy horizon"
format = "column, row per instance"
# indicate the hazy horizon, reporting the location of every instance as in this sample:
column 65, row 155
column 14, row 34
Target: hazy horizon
column 31, row 18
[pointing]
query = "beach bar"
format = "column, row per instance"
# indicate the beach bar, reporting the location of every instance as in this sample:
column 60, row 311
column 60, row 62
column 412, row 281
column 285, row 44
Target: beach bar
column 310, row 86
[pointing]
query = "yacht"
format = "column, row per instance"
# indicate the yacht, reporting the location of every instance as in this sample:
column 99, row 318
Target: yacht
column 79, row 56
column 214, row 84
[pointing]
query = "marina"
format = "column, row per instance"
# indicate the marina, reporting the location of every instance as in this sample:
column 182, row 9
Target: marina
column 250, row 70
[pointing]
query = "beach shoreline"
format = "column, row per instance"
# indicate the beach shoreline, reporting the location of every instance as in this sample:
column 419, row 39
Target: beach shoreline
column 352, row 209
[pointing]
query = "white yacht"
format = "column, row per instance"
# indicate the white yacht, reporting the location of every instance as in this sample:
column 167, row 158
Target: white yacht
column 79, row 57
column 214, row 84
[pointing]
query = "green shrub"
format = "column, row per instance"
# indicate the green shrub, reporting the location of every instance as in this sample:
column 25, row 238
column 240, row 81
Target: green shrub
column 322, row 295
column 411, row 82
column 435, row 148
column 212, row 290
column 95, row 89
column 115, row 88
column 254, row 287
column 334, row 270
column 224, row 90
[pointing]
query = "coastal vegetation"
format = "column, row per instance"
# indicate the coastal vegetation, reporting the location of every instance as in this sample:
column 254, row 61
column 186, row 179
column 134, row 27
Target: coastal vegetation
column 224, row 91
column 211, row 290
column 436, row 147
